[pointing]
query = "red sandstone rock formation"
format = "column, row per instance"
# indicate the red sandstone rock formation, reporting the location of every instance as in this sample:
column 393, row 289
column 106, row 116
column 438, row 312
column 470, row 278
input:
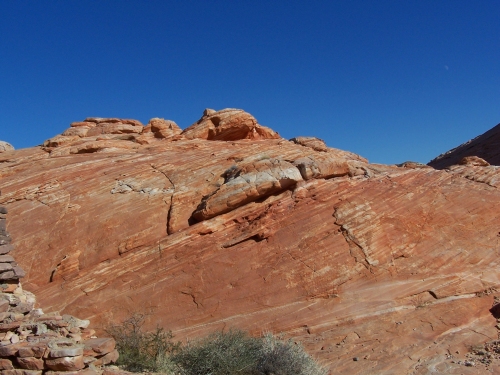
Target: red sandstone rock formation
column 228, row 125
column 485, row 146
column 32, row 342
column 397, row 267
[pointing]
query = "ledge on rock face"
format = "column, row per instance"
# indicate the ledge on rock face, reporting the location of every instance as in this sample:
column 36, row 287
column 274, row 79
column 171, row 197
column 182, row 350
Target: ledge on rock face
column 5, row 146
column 474, row 160
column 228, row 125
column 312, row 142
column 412, row 165
column 247, row 183
column 326, row 166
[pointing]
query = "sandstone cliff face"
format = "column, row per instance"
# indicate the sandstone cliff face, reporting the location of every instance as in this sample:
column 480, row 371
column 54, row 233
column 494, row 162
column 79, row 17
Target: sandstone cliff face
column 394, row 266
column 485, row 146
column 33, row 342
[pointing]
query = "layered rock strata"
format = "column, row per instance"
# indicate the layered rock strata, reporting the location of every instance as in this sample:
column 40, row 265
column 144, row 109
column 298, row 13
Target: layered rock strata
column 33, row 342
column 484, row 146
column 228, row 125
column 396, row 266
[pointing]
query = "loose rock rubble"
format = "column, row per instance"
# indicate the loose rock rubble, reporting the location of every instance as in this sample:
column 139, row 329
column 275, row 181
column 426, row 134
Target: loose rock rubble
column 33, row 342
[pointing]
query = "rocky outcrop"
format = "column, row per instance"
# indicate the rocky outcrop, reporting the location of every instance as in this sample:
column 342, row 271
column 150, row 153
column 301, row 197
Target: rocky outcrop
column 396, row 266
column 228, row 125
column 313, row 142
column 484, row 146
column 247, row 183
column 163, row 128
column 33, row 342
column 5, row 146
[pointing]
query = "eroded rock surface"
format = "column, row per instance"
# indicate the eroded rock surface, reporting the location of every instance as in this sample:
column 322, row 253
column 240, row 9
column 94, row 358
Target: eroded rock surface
column 395, row 266
column 6, row 146
column 484, row 146
column 33, row 342
column 228, row 125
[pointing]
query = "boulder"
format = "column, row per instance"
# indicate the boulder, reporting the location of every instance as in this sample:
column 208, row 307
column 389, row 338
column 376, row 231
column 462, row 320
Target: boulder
column 474, row 161
column 312, row 142
column 5, row 146
column 228, row 125
column 247, row 183
column 163, row 128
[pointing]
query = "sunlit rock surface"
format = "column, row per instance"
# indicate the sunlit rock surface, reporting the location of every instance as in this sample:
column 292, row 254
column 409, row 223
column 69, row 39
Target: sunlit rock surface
column 210, row 229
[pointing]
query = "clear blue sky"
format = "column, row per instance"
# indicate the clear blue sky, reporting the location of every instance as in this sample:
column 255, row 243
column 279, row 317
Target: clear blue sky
column 391, row 80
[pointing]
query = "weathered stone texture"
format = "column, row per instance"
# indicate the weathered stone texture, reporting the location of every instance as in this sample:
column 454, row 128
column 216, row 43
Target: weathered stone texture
column 31, row 341
column 228, row 125
column 395, row 265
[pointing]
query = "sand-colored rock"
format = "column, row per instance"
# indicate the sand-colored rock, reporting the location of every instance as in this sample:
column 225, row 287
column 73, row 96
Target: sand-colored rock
column 65, row 363
column 5, row 146
column 394, row 266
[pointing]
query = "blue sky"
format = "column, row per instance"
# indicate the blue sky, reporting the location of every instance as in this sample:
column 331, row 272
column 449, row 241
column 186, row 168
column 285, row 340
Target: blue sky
column 390, row 80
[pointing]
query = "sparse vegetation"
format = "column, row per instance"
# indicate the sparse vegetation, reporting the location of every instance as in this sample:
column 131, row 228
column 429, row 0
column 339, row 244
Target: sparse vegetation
column 235, row 352
column 143, row 351
column 221, row 353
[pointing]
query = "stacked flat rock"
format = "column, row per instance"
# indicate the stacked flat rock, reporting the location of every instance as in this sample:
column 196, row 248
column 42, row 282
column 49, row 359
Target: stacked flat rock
column 35, row 343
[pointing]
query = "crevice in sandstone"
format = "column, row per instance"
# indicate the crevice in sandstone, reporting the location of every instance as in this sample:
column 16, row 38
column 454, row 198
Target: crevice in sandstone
column 354, row 247
column 169, row 213
column 301, row 261
column 239, row 240
column 482, row 334
column 193, row 297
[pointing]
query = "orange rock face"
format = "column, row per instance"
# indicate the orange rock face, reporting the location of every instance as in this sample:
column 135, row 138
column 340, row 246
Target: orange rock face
column 228, row 125
column 376, row 269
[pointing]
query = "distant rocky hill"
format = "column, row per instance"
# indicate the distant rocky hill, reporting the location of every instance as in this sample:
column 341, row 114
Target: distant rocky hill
column 376, row 269
column 485, row 146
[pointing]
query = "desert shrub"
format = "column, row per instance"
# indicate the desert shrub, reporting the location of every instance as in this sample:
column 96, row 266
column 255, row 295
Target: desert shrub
column 143, row 351
column 280, row 357
column 235, row 352
column 229, row 353
column 221, row 353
